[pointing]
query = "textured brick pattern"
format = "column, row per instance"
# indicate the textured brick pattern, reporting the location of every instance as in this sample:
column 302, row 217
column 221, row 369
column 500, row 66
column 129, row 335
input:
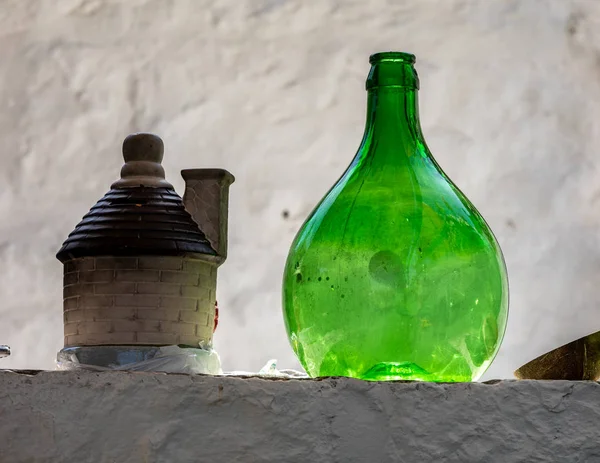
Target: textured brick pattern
column 138, row 300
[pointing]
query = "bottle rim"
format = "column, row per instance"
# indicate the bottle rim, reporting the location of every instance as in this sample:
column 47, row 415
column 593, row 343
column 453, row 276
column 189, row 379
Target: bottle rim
column 397, row 56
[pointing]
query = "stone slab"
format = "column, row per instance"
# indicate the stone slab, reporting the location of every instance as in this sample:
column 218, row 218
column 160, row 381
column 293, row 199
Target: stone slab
column 149, row 417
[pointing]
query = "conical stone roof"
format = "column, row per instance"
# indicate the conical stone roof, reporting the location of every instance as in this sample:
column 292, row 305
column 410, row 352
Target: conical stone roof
column 141, row 214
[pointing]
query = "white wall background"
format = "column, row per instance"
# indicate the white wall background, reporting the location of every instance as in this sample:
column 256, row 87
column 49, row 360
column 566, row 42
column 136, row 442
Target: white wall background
column 274, row 91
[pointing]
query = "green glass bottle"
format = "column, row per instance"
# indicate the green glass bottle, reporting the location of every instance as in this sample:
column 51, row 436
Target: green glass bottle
column 395, row 275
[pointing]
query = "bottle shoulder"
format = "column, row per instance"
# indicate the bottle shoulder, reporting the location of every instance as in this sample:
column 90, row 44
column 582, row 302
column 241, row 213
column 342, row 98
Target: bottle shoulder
column 396, row 204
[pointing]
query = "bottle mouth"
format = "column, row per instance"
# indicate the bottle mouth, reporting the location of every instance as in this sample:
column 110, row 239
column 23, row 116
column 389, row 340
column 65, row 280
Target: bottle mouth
column 396, row 56
column 392, row 69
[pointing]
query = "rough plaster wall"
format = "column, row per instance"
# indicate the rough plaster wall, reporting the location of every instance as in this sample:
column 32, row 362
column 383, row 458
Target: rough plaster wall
column 274, row 91
column 121, row 417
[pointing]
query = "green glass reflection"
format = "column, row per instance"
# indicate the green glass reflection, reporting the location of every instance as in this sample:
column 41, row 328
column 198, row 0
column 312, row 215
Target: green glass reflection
column 395, row 275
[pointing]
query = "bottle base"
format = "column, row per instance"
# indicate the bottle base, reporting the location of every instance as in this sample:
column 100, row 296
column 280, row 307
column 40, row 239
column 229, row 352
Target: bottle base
column 394, row 371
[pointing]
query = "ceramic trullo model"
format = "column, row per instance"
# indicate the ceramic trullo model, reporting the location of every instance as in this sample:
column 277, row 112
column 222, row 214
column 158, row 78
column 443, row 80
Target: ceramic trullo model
column 140, row 269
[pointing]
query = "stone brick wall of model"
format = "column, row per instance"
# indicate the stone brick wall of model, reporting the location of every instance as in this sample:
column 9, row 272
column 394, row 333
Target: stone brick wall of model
column 147, row 301
column 273, row 91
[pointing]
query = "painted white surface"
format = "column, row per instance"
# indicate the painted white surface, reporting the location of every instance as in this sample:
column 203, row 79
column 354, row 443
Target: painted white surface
column 120, row 417
column 274, row 91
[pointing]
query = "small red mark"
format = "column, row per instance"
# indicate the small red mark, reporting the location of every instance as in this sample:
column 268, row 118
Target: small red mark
column 216, row 316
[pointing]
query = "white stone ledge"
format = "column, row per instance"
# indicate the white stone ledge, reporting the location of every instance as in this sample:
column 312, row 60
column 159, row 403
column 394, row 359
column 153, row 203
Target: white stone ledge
column 146, row 417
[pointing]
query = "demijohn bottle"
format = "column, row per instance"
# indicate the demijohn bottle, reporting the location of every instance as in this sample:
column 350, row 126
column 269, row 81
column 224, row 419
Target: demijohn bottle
column 395, row 275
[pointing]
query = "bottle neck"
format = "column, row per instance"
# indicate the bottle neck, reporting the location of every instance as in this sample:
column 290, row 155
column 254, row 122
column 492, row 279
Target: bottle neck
column 393, row 125
column 392, row 114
